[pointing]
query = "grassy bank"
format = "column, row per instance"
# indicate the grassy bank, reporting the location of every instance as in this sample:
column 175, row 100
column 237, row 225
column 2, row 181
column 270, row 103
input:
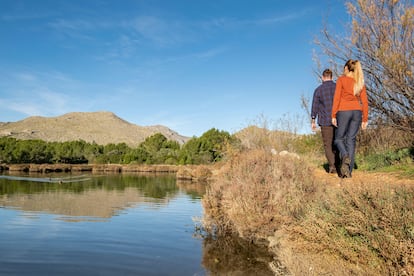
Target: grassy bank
column 317, row 224
column 366, row 227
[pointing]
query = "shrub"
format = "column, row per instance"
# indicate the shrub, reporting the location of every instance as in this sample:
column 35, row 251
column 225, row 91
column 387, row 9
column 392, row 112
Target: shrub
column 370, row 225
column 256, row 193
column 376, row 161
column 211, row 147
column 381, row 139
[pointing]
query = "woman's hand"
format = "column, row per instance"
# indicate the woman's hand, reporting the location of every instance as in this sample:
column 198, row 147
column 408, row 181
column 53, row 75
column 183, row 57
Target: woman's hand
column 364, row 125
column 334, row 122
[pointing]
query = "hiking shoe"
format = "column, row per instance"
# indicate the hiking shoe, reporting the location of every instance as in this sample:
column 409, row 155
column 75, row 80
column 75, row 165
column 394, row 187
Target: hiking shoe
column 345, row 172
column 332, row 170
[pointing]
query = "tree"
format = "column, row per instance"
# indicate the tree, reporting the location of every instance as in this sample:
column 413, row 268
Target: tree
column 7, row 146
column 154, row 143
column 114, row 153
column 40, row 152
column 138, row 156
column 382, row 38
column 208, row 148
column 157, row 149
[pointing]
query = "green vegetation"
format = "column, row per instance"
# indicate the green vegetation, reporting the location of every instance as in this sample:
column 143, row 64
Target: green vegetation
column 386, row 149
column 156, row 149
column 209, row 148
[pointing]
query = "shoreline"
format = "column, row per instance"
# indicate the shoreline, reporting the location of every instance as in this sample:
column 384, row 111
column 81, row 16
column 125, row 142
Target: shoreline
column 182, row 172
column 116, row 168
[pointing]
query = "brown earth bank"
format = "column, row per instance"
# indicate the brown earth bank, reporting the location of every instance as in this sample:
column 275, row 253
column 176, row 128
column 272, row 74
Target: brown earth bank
column 183, row 172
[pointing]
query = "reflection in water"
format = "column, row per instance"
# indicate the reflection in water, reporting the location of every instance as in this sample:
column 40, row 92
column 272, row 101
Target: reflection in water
column 157, row 239
column 98, row 197
column 68, row 179
column 192, row 188
column 233, row 256
column 90, row 203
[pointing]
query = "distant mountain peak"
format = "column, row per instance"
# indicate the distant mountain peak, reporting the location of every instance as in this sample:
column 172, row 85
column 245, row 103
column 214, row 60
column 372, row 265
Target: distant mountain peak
column 102, row 127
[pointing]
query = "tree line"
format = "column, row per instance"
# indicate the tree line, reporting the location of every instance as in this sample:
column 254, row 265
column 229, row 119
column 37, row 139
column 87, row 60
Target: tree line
column 155, row 149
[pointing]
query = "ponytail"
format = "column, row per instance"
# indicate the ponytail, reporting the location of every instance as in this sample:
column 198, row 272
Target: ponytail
column 359, row 78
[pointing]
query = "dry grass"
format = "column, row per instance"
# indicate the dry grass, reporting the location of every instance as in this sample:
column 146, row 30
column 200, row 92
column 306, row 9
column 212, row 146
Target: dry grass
column 254, row 137
column 315, row 223
column 194, row 172
column 366, row 227
column 363, row 227
column 257, row 193
column 382, row 138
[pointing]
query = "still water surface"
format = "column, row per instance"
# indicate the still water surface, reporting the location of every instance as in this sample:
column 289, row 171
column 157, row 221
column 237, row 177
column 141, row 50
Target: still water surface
column 112, row 225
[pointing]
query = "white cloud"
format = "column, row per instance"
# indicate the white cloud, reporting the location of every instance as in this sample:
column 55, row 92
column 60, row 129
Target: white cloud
column 26, row 16
column 74, row 29
column 40, row 93
column 280, row 19
column 162, row 32
column 236, row 23
column 211, row 52
column 26, row 108
column 38, row 104
column 25, row 77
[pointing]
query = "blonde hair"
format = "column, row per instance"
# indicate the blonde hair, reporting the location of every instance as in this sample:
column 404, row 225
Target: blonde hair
column 358, row 75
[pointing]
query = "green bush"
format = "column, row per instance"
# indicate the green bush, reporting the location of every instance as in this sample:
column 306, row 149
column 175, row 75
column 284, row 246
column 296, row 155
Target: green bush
column 209, row 148
column 377, row 161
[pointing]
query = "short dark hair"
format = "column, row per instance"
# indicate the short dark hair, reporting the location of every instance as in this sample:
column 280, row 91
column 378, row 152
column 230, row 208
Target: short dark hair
column 327, row 73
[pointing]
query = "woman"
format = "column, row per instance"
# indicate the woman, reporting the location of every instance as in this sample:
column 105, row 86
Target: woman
column 349, row 112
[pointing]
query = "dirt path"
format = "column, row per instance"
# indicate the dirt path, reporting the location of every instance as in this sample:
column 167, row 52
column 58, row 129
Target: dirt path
column 362, row 176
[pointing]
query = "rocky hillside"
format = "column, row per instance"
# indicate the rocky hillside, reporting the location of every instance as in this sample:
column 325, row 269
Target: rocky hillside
column 100, row 127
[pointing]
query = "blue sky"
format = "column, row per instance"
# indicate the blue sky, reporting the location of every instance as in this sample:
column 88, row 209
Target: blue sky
column 190, row 65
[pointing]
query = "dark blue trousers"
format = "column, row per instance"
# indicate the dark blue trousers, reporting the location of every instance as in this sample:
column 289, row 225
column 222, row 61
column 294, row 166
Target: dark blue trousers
column 349, row 123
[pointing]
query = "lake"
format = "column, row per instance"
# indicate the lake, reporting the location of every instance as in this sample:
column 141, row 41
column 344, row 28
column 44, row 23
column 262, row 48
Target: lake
column 115, row 224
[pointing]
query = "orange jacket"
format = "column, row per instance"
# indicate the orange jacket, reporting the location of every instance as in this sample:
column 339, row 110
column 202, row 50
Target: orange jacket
column 344, row 98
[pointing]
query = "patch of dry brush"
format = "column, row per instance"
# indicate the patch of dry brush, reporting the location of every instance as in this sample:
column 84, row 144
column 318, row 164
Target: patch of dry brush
column 257, row 193
column 368, row 227
column 360, row 228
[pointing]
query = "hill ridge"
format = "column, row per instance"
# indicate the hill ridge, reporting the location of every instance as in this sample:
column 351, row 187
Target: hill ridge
column 101, row 127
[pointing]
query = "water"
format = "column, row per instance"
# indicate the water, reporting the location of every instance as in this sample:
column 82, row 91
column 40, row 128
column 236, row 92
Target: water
column 111, row 225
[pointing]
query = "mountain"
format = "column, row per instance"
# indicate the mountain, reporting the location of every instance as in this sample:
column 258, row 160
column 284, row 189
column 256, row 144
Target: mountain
column 100, row 127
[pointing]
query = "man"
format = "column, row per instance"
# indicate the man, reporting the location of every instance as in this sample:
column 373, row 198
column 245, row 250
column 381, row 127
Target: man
column 322, row 108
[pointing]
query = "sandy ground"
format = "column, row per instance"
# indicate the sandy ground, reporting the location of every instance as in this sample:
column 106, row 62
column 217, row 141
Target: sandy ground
column 362, row 176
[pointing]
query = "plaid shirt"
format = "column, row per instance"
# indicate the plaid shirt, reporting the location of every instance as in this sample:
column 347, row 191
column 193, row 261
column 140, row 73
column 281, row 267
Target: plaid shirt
column 322, row 103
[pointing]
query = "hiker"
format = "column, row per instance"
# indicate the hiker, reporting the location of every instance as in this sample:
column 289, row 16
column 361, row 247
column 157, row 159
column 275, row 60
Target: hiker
column 322, row 108
column 349, row 113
